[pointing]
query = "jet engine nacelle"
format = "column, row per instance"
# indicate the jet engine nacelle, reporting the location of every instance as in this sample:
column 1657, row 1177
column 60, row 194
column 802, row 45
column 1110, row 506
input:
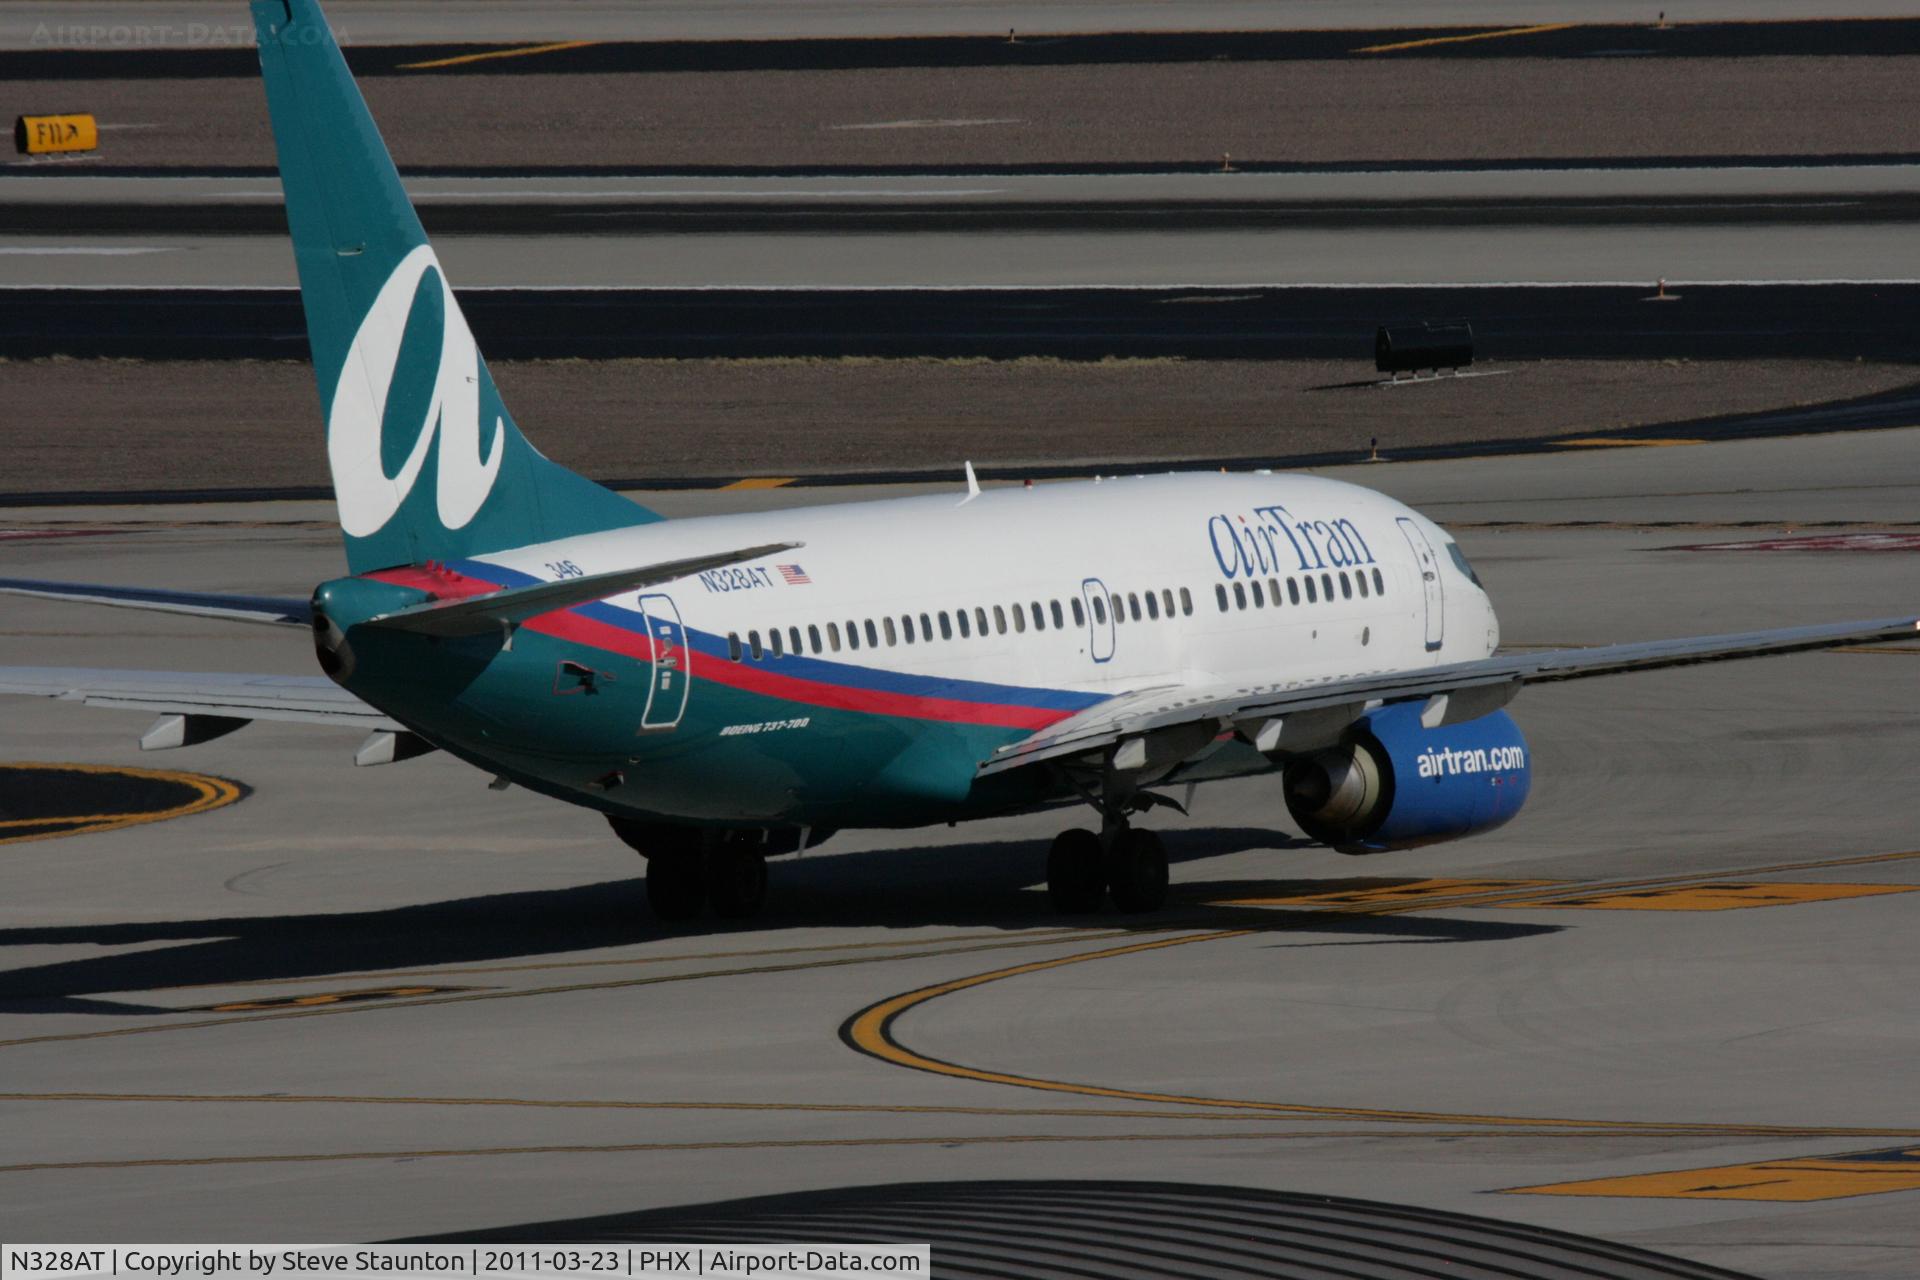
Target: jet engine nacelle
column 1395, row 784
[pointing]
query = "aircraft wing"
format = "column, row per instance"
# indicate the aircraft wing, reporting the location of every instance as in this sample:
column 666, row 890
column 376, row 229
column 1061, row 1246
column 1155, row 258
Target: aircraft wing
column 1146, row 727
column 303, row 699
column 271, row 610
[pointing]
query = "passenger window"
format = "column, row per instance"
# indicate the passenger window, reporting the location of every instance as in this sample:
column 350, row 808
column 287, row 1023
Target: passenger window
column 1039, row 617
column 1186, row 602
column 833, row 636
column 1312, row 598
column 813, row 634
column 1259, row 596
column 1220, row 594
column 1059, row 619
column 1361, row 578
column 1346, row 587
column 965, row 630
column 926, row 628
column 1153, row 606
column 1273, row 589
column 893, row 637
column 906, row 626
column 1019, row 618
column 733, row 647
column 1133, row 605
column 1099, row 610
column 1379, row 584
column 1166, row 600
column 853, row 635
column 774, row 636
column 873, row 636
column 1239, row 596
column 999, row 620
column 1079, row 613
column 946, row 626
column 1326, row 587
column 753, row 646
column 980, row 617
column 1293, row 591
column 1118, row 604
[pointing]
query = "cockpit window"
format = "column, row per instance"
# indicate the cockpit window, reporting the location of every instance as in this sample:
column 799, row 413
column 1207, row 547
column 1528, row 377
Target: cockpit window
column 1460, row 563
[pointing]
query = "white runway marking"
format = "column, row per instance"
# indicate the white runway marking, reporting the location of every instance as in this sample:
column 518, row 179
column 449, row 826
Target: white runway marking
column 979, row 288
column 733, row 194
column 930, row 124
column 99, row 251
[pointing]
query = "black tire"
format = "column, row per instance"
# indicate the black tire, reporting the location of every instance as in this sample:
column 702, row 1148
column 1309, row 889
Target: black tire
column 736, row 879
column 1137, row 871
column 1076, row 881
column 676, row 886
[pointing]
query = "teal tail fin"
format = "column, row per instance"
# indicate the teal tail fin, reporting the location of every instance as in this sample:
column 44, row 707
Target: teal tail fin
column 427, row 462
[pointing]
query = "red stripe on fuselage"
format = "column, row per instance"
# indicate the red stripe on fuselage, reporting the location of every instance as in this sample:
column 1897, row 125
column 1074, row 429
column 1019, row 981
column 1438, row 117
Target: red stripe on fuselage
column 572, row 627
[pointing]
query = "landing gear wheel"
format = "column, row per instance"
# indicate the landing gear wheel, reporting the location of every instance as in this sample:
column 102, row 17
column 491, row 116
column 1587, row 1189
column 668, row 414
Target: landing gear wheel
column 676, row 887
column 1137, row 871
column 736, row 879
column 1076, row 882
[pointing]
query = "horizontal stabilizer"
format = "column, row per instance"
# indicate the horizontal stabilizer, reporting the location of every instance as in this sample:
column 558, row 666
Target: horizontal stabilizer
column 503, row 610
column 271, row 610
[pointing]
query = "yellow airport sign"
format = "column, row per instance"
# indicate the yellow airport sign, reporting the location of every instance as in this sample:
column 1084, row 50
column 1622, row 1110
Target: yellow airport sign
column 46, row 135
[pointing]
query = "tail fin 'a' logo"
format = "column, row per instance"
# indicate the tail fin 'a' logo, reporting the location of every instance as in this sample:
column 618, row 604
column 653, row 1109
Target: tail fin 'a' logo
column 369, row 497
column 408, row 411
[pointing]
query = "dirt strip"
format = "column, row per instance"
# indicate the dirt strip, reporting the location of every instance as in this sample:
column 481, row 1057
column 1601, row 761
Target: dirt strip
column 1144, row 114
column 111, row 424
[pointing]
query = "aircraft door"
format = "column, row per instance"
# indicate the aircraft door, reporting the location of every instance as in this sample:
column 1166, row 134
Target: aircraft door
column 1099, row 621
column 1430, row 583
column 672, row 663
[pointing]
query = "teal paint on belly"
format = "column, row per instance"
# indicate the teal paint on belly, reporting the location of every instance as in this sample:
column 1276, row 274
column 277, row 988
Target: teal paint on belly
column 736, row 757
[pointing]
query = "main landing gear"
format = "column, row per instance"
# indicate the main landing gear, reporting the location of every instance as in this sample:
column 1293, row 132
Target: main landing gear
column 689, row 869
column 1124, row 861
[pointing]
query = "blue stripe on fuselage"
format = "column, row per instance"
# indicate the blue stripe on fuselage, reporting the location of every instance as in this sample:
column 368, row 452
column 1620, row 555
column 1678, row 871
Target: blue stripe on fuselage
column 844, row 674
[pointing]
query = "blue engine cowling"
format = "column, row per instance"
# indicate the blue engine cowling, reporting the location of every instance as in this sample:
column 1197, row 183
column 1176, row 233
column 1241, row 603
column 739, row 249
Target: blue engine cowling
column 1393, row 784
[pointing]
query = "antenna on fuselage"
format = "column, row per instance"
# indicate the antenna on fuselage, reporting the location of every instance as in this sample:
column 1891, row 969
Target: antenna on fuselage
column 973, row 485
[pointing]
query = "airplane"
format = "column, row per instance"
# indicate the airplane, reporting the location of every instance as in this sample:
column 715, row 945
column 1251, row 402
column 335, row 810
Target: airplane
column 729, row 688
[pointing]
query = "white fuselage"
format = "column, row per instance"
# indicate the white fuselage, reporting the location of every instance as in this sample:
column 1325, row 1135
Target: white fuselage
column 1365, row 583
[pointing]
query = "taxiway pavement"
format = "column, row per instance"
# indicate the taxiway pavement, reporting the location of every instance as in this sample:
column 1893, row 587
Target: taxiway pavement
column 909, row 260
column 199, row 23
column 1440, row 1049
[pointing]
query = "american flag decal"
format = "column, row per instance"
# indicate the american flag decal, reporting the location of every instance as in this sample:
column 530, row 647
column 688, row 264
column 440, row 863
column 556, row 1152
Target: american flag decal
column 794, row 574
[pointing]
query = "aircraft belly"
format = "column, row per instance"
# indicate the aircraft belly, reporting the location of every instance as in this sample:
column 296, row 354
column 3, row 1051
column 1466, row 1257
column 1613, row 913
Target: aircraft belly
column 571, row 717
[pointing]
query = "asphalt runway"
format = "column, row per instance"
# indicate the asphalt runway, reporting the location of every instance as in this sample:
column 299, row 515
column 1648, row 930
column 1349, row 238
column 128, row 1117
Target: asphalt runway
column 1387, row 112
column 1809, row 197
column 1844, row 321
column 1729, row 223
column 1871, row 252
column 388, row 1002
column 90, row 52
column 201, row 24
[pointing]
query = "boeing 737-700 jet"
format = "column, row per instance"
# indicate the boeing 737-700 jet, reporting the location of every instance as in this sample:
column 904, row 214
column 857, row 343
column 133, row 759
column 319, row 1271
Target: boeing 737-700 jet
column 731, row 687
